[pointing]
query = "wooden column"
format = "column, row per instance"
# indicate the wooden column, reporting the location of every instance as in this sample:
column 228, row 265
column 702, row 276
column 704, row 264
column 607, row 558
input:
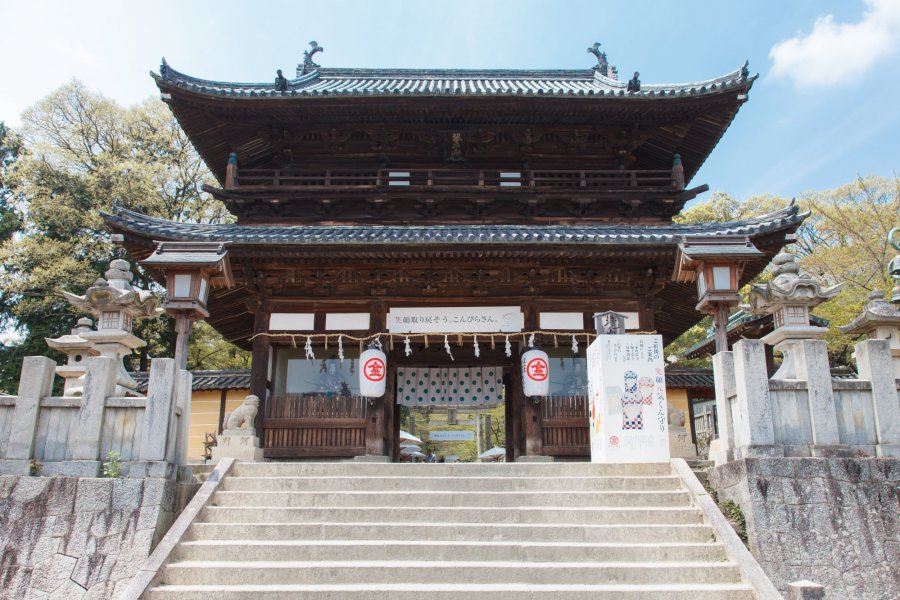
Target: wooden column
column 259, row 363
column 531, row 412
column 376, row 426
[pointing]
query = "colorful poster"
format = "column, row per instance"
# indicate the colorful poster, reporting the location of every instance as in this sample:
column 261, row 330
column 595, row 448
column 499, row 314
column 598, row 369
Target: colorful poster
column 627, row 394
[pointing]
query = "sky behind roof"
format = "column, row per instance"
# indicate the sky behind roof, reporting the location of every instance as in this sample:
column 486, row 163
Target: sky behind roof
column 825, row 109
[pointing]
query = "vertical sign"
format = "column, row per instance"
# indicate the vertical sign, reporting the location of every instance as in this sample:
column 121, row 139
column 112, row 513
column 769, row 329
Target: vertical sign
column 627, row 394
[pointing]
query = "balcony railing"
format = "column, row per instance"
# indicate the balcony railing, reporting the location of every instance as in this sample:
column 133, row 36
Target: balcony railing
column 399, row 179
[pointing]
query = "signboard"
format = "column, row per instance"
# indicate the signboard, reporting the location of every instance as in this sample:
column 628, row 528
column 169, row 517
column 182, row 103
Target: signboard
column 451, row 435
column 453, row 319
column 627, row 395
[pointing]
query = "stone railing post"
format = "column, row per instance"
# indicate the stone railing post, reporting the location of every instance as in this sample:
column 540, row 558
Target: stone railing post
column 722, row 450
column 35, row 383
column 754, row 427
column 811, row 365
column 806, row 590
column 873, row 361
column 99, row 384
column 158, row 417
column 183, row 387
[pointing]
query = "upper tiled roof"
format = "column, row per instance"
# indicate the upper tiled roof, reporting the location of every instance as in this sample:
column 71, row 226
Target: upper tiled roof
column 450, row 82
column 601, row 234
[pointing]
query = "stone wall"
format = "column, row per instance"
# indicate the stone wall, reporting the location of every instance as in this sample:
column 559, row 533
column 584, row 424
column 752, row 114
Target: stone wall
column 834, row 521
column 79, row 538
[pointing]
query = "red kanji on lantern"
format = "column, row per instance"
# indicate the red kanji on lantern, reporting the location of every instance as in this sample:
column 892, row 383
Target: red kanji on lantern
column 374, row 369
column 537, row 369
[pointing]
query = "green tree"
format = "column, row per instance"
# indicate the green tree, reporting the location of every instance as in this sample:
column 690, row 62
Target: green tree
column 10, row 148
column 844, row 240
column 80, row 154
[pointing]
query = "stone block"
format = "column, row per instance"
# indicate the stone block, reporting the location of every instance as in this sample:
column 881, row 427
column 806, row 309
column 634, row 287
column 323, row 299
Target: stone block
column 73, row 468
column 29, row 489
column 160, row 410
column 127, row 494
column 99, row 384
column 68, row 591
column 806, row 590
column 51, row 574
column 93, row 495
column 35, row 383
column 7, row 484
column 60, row 496
column 237, row 446
column 15, row 467
column 153, row 469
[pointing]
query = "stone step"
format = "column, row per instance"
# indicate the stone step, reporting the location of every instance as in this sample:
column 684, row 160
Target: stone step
column 250, row 572
column 733, row 591
column 300, row 550
column 468, row 532
column 416, row 514
column 561, row 498
column 531, row 470
column 459, row 483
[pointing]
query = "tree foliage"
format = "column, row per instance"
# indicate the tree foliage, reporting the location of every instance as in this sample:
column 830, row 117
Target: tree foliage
column 844, row 240
column 81, row 153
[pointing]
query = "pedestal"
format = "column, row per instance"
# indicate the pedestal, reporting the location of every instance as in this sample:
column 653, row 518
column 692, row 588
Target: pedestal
column 237, row 444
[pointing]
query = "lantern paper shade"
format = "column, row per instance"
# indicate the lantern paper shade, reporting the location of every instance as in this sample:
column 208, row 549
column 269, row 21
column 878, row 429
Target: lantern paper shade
column 535, row 373
column 372, row 373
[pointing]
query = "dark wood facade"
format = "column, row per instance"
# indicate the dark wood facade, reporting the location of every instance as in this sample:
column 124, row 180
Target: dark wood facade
column 358, row 191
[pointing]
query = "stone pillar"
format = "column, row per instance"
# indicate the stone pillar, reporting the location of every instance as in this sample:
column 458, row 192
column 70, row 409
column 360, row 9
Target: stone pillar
column 158, row 417
column 811, row 363
column 99, row 384
column 754, row 429
column 722, row 450
column 35, row 383
column 183, row 387
column 873, row 361
column 805, row 590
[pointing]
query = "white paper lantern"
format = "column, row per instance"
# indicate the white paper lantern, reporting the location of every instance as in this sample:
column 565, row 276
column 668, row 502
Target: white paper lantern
column 535, row 373
column 372, row 373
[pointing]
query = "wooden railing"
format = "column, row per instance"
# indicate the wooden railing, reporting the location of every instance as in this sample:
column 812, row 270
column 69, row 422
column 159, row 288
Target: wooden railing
column 566, row 427
column 705, row 423
column 315, row 425
column 399, row 179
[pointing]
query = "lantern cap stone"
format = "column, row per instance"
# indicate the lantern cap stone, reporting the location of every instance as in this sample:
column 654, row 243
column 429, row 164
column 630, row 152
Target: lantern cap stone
column 877, row 312
column 116, row 293
column 790, row 286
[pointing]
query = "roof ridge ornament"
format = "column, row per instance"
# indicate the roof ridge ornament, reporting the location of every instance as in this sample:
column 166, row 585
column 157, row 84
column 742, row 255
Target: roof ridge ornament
column 163, row 68
column 308, row 65
column 602, row 65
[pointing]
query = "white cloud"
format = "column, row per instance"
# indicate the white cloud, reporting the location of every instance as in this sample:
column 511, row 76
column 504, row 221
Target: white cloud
column 836, row 53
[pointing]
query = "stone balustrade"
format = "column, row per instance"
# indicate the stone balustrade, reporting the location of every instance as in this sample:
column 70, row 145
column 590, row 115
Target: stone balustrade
column 74, row 435
column 811, row 414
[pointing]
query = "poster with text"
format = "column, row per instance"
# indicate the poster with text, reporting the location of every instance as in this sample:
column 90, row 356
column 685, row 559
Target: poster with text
column 627, row 395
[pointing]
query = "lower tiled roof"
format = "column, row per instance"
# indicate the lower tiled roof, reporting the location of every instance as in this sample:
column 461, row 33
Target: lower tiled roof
column 233, row 379
column 593, row 234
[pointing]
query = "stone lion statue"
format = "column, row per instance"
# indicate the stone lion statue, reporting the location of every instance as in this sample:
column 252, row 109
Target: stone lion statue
column 243, row 416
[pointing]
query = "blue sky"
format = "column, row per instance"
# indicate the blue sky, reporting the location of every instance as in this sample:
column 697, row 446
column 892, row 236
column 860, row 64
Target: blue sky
column 825, row 109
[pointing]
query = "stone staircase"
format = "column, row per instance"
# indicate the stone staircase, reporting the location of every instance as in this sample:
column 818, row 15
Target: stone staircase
column 560, row 531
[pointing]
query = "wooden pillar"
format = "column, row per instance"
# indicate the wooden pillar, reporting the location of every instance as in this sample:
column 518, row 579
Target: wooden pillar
column 376, row 426
column 531, row 412
column 222, row 399
column 259, row 363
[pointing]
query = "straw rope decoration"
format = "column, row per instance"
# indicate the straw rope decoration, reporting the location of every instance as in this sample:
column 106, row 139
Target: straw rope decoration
column 527, row 338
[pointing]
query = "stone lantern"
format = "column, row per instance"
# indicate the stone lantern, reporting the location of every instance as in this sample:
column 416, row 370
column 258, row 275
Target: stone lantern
column 77, row 349
column 115, row 304
column 715, row 264
column 880, row 320
column 788, row 298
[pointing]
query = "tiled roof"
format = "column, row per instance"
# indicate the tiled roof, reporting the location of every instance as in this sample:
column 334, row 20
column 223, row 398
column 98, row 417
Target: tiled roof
column 601, row 234
column 450, row 82
column 689, row 377
column 235, row 379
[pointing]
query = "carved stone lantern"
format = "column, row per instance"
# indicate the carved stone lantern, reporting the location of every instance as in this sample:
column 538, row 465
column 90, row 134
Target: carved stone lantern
column 191, row 269
column 115, row 304
column 788, row 298
column 880, row 320
column 715, row 264
column 77, row 350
